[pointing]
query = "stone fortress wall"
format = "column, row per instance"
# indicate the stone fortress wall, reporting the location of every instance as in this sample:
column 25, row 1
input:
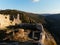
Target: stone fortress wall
column 5, row 20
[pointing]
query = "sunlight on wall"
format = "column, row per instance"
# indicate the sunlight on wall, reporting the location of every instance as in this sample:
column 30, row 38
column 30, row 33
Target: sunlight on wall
column 5, row 21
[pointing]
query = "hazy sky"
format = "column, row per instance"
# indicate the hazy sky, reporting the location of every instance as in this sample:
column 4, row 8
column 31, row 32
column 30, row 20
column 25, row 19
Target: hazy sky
column 35, row 6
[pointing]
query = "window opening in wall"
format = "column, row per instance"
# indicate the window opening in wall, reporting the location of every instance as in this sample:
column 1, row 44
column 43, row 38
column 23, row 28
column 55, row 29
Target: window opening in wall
column 5, row 17
column 36, row 35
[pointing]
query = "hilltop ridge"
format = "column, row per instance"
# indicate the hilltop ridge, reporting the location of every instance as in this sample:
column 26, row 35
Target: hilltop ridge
column 24, row 16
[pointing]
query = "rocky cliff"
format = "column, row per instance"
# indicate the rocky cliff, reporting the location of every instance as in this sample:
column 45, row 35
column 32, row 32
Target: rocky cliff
column 23, row 31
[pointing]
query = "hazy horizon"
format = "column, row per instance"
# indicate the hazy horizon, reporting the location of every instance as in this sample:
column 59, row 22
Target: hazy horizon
column 33, row 6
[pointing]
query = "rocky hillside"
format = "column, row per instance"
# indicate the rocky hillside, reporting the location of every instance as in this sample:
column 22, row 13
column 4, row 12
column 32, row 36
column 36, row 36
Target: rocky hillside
column 24, row 16
column 27, row 18
column 24, row 33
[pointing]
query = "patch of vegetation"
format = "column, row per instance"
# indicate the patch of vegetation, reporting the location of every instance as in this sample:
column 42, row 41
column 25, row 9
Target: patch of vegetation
column 24, row 16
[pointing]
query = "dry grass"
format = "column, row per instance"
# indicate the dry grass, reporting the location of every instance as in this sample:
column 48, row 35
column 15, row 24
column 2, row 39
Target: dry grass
column 48, row 39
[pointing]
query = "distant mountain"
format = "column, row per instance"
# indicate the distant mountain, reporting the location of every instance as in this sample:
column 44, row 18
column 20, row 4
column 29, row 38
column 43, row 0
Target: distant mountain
column 53, row 26
column 54, row 16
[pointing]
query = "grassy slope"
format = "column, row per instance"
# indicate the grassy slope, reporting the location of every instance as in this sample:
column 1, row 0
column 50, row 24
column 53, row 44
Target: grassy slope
column 24, row 16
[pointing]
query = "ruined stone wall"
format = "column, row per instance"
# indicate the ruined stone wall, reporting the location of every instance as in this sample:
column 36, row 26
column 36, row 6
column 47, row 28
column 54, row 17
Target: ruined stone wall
column 5, row 20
